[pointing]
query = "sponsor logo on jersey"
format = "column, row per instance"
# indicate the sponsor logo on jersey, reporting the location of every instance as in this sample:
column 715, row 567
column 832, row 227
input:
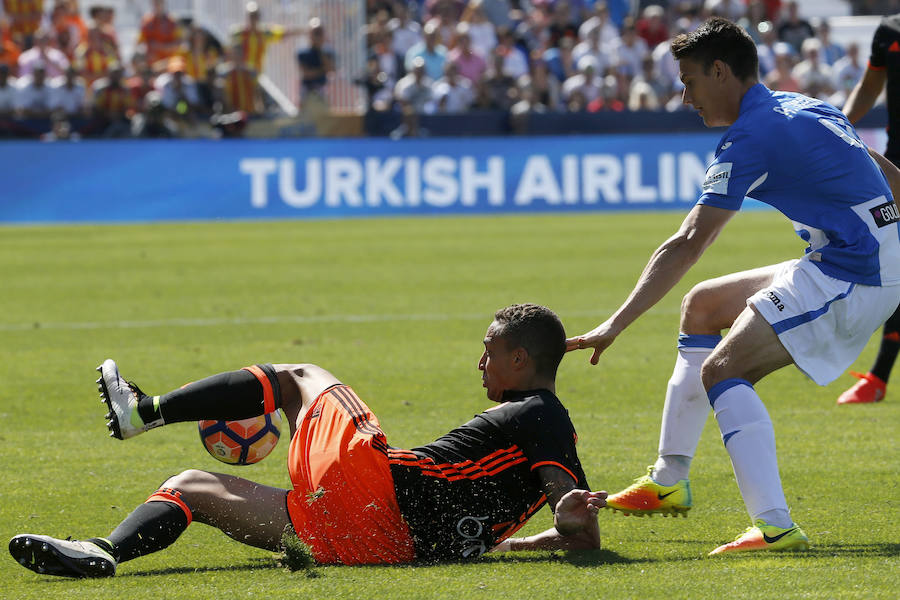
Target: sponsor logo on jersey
column 885, row 214
column 725, row 146
column 717, row 176
column 775, row 300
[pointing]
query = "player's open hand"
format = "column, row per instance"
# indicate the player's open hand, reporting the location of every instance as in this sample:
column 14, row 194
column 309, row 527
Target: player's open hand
column 577, row 512
column 599, row 338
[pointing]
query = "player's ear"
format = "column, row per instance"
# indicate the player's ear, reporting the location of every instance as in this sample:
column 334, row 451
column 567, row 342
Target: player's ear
column 520, row 357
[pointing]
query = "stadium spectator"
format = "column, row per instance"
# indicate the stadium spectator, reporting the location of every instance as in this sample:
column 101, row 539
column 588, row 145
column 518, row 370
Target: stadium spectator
column 406, row 32
column 542, row 85
column 814, row 77
column 561, row 24
column 94, row 56
column 142, row 80
column 609, row 99
column 586, row 82
column 641, row 96
column 9, row 53
column 68, row 28
column 383, row 504
column 652, row 27
column 561, row 60
column 430, row 50
column 160, row 35
column 665, row 66
column 515, row 62
column 8, row 91
column 67, row 94
column 378, row 85
column 591, row 47
column 238, row 85
column 756, row 14
column 765, row 48
column 153, row 121
column 629, row 51
column 53, row 61
column 24, row 18
column 256, row 36
column 649, row 78
column 781, row 78
column 103, row 18
column 179, row 94
column 830, row 52
column 469, row 63
column 793, row 29
column 316, row 65
column 599, row 20
column 33, row 97
column 113, row 105
column 847, row 71
column 495, row 11
column 60, row 129
column 528, row 104
column 452, row 93
column 445, row 18
column 732, row 10
column 388, row 62
column 498, row 90
column 414, row 91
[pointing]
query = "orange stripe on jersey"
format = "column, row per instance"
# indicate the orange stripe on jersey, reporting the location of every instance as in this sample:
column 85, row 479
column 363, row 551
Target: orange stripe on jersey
column 268, row 393
column 874, row 68
column 488, row 466
column 552, row 463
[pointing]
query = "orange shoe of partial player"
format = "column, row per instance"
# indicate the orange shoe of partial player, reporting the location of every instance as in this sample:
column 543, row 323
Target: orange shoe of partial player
column 868, row 389
column 763, row 536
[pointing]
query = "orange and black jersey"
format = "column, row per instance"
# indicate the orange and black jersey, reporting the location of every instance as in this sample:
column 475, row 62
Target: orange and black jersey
column 886, row 56
column 475, row 486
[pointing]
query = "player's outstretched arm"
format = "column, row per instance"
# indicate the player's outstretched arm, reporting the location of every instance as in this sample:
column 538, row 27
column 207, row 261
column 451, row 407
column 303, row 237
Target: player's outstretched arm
column 666, row 267
column 576, row 526
column 862, row 97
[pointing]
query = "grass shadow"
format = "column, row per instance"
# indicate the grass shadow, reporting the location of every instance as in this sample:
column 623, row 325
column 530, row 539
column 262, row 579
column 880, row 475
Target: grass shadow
column 879, row 550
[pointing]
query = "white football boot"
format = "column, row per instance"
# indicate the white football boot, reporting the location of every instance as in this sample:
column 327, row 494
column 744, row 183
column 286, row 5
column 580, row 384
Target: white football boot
column 122, row 399
column 68, row 558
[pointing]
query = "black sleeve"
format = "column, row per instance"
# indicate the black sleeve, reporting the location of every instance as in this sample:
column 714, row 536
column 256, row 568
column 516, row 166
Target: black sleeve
column 880, row 42
column 545, row 434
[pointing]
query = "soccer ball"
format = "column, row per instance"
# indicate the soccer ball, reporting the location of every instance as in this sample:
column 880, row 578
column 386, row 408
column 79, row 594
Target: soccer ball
column 242, row 442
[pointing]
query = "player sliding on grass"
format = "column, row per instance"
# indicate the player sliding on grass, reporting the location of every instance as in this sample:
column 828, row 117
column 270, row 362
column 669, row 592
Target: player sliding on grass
column 355, row 499
column 803, row 157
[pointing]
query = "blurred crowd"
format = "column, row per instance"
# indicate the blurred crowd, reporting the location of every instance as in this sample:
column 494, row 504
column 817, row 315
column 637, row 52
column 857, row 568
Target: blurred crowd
column 63, row 75
column 535, row 56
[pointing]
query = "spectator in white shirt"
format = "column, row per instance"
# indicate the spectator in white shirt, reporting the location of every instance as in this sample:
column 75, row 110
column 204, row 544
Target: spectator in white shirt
column 413, row 92
column 407, row 33
column 813, row 75
column 452, row 93
column 630, row 50
column 585, row 82
column 33, row 96
column 846, row 72
column 591, row 46
column 67, row 94
column 42, row 53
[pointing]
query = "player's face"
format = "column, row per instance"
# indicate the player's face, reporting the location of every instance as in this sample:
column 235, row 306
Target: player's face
column 497, row 365
column 705, row 91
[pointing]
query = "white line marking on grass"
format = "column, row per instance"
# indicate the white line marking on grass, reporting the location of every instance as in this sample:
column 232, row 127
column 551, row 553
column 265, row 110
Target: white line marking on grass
column 274, row 320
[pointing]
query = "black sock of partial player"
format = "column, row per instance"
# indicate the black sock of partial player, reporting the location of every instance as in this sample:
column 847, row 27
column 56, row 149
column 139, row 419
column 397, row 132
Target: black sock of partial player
column 226, row 396
column 890, row 346
column 151, row 527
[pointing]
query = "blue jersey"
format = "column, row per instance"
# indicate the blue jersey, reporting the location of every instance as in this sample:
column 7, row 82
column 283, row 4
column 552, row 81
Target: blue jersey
column 803, row 157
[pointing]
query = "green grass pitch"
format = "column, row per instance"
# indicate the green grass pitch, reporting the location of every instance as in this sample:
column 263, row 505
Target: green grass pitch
column 397, row 308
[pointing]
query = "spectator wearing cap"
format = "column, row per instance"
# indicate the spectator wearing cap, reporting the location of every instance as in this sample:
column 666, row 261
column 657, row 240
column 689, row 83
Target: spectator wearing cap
column 405, row 31
column 586, row 81
column 430, row 50
column 53, row 60
column 482, row 31
column 67, row 94
column 113, row 105
column 316, row 65
column 781, row 77
column 814, row 76
column 469, row 64
column 32, row 100
column 651, row 27
column 630, row 50
column 256, row 36
column 793, row 29
column 160, row 35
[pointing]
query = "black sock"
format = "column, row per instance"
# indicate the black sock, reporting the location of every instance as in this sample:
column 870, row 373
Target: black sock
column 890, row 346
column 227, row 396
column 152, row 526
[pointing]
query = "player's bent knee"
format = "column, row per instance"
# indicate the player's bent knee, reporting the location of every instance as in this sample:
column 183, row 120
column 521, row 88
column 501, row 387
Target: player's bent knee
column 699, row 308
column 192, row 481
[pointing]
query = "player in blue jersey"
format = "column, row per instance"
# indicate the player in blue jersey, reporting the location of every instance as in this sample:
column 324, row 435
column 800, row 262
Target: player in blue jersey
column 802, row 157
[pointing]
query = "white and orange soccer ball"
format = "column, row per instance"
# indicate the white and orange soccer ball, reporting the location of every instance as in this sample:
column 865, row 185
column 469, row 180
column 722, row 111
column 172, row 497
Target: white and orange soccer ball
column 242, row 442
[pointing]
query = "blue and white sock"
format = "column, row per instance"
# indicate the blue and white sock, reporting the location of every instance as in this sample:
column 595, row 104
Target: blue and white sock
column 750, row 441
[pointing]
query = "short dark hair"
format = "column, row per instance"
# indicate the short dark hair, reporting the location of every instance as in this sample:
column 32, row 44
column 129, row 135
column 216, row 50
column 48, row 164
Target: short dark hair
column 537, row 329
column 719, row 39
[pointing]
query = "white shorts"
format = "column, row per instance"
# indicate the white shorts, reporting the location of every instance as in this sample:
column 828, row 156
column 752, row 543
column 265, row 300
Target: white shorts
column 824, row 323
